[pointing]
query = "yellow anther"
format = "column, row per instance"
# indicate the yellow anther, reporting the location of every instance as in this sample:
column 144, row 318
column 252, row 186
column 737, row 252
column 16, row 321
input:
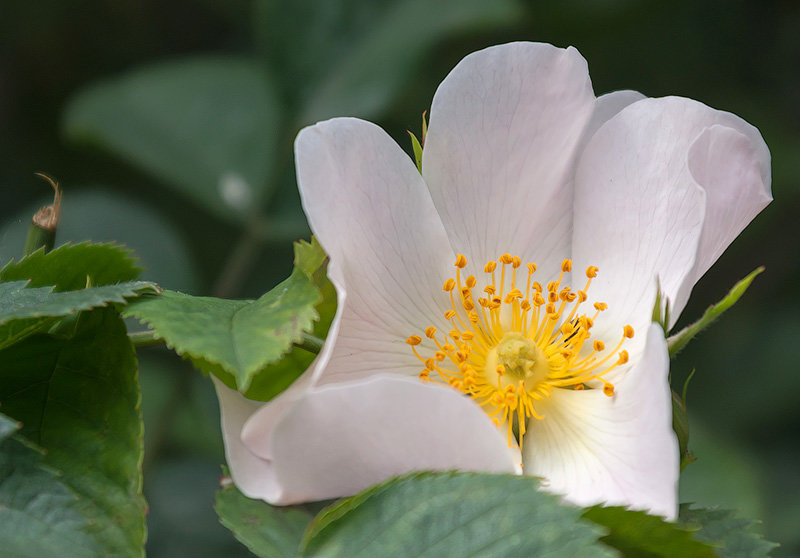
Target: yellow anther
column 500, row 369
column 467, row 335
column 608, row 389
column 461, row 261
column 439, row 356
column 600, row 306
column 414, row 340
column 552, row 296
column 450, row 314
column 430, row 331
column 567, row 295
column 538, row 299
column 552, row 286
column 516, row 261
column 447, row 347
column 449, row 285
column 536, row 286
column 598, row 345
column 506, row 258
column 582, row 296
column 591, row 271
column 474, row 318
column 623, row 357
column 490, row 267
column 468, row 305
column 489, row 289
column 525, row 305
column 455, row 334
column 465, row 292
column 627, row 331
column 430, row 364
column 566, row 265
column 531, row 268
column 579, row 387
column 462, row 356
column 471, row 281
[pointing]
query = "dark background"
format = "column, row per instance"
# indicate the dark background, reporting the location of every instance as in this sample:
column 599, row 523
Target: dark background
column 133, row 173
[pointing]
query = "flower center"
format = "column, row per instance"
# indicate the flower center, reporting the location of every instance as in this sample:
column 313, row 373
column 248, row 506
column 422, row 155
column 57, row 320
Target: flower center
column 509, row 349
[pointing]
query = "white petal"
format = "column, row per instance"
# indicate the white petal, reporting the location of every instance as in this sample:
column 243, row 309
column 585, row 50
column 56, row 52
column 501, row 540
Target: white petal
column 661, row 189
column 370, row 210
column 342, row 438
column 499, row 155
column 606, row 106
column 620, row 450
column 252, row 475
column 730, row 167
column 638, row 213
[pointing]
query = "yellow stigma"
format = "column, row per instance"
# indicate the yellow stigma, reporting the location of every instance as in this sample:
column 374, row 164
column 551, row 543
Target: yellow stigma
column 510, row 349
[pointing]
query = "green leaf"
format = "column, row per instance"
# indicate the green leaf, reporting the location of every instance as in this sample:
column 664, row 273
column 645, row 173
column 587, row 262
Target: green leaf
column 104, row 215
column 734, row 537
column 311, row 259
column 636, row 533
column 78, row 399
column 453, row 514
column 68, row 266
column 239, row 336
column 682, row 338
column 372, row 68
column 268, row 531
column 206, row 126
column 39, row 514
column 25, row 311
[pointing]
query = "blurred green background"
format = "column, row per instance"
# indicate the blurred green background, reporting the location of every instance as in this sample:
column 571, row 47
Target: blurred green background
column 170, row 125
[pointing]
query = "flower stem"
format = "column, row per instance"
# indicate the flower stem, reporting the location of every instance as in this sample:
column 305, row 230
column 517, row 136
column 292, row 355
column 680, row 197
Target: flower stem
column 311, row 343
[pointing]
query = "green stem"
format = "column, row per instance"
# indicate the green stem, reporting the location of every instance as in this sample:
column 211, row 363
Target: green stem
column 311, row 343
column 145, row 338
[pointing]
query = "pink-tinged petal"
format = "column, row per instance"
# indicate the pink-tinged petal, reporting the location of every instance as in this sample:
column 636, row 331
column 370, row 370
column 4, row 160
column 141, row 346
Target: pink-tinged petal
column 499, row 156
column 730, row 167
column 619, row 450
column 342, row 438
column 369, row 208
column 638, row 212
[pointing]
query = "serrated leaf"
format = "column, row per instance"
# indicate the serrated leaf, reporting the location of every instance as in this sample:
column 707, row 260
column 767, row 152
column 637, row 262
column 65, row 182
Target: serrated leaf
column 206, row 126
column 734, row 537
column 68, row 266
column 682, row 338
column 268, row 531
column 240, row 336
column 78, row 399
column 310, row 258
column 453, row 514
column 635, row 533
column 39, row 514
column 374, row 63
column 25, row 311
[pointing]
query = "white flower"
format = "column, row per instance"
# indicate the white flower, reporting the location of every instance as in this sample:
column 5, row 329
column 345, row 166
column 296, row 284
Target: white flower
column 521, row 164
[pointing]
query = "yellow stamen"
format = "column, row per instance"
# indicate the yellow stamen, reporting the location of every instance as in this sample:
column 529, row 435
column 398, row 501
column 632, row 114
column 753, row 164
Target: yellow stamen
column 510, row 350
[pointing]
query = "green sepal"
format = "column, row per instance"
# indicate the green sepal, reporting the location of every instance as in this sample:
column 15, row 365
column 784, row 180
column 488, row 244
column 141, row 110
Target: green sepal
column 417, row 147
column 682, row 338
